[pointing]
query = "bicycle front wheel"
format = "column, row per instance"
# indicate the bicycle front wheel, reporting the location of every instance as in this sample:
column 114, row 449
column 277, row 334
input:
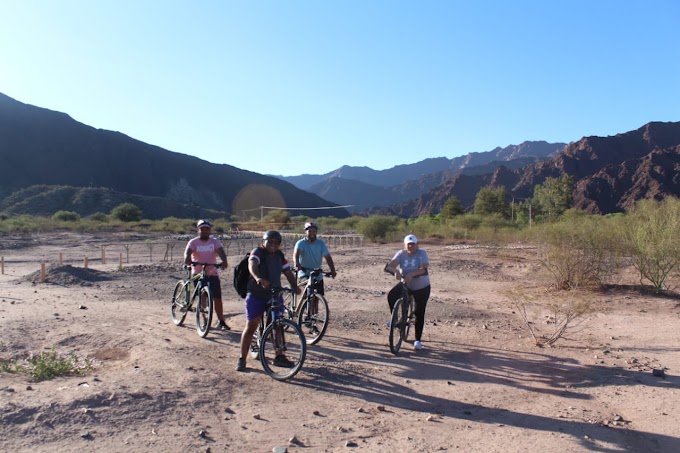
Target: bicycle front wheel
column 180, row 303
column 398, row 326
column 283, row 349
column 313, row 318
column 204, row 311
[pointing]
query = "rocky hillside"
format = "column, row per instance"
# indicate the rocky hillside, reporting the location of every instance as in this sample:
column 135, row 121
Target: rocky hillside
column 40, row 147
column 611, row 173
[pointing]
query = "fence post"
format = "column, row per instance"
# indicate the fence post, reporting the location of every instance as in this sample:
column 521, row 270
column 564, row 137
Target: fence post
column 43, row 274
column 2, row 260
column 61, row 258
column 103, row 255
column 85, row 263
column 120, row 261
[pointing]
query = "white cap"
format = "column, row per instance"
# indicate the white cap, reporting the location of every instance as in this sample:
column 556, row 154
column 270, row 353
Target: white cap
column 411, row 238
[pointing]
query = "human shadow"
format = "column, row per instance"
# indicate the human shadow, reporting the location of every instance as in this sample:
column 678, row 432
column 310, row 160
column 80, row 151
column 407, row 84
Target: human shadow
column 347, row 367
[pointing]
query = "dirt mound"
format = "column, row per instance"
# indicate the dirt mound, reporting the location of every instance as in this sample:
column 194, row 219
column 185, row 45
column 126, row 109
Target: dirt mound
column 67, row 275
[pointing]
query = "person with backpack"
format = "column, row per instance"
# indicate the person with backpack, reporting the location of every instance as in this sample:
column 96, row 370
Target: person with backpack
column 205, row 249
column 266, row 263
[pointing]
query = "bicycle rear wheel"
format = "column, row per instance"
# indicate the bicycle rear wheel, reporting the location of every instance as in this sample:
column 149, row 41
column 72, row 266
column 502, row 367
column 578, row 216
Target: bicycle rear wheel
column 285, row 337
column 398, row 326
column 313, row 318
column 204, row 311
column 180, row 303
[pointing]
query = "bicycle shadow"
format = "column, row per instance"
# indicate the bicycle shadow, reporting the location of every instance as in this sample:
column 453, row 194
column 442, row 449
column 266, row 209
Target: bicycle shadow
column 342, row 366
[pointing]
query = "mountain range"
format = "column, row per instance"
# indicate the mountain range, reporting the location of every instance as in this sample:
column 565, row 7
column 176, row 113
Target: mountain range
column 50, row 162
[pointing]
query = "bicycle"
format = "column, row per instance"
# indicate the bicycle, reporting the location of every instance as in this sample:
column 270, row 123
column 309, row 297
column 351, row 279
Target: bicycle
column 276, row 336
column 183, row 299
column 402, row 317
column 312, row 313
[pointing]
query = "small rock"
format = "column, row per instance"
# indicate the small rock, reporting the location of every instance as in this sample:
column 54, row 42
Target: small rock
column 202, row 433
column 86, row 435
column 457, row 324
column 658, row 372
column 449, row 383
column 430, row 418
column 361, row 409
column 317, row 413
column 280, row 450
column 351, row 444
column 618, row 418
column 82, row 307
column 28, row 387
column 381, row 408
column 256, row 416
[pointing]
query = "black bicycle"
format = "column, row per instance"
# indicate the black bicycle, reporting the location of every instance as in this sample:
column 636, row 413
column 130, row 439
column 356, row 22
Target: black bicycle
column 310, row 309
column 402, row 317
column 183, row 299
column 278, row 342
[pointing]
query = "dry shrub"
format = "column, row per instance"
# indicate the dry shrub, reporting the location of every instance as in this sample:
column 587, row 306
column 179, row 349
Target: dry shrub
column 564, row 312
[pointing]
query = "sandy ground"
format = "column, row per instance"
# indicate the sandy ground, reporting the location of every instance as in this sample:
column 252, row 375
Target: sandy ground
column 480, row 383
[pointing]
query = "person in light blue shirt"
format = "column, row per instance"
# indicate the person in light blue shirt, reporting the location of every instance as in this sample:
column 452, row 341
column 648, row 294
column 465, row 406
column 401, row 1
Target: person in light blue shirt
column 309, row 254
column 412, row 262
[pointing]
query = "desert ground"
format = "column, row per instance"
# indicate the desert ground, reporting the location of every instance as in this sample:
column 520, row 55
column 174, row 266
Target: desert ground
column 480, row 384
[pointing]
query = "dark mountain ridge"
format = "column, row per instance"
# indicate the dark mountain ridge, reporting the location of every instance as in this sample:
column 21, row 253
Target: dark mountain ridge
column 42, row 147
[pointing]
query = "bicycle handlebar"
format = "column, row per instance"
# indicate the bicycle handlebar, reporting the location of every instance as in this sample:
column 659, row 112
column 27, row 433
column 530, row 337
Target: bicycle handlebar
column 312, row 272
column 195, row 263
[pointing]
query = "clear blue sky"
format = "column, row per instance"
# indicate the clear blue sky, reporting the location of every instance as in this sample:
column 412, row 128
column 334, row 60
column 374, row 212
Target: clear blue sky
column 293, row 87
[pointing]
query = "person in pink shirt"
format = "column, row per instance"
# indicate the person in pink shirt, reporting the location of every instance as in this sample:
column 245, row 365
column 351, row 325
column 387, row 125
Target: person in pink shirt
column 206, row 249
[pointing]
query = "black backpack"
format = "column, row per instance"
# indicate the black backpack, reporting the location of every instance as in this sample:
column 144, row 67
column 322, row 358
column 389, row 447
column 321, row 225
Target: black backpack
column 241, row 276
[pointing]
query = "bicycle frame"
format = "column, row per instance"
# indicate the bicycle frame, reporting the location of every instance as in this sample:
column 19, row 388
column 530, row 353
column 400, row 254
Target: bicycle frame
column 309, row 291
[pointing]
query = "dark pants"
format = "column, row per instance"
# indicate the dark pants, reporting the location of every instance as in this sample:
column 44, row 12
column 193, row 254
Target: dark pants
column 420, row 297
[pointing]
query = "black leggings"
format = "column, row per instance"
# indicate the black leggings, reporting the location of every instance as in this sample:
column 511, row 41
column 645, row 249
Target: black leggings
column 420, row 296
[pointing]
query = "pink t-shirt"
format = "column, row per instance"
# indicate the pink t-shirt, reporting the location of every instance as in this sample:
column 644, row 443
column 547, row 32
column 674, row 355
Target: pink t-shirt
column 204, row 252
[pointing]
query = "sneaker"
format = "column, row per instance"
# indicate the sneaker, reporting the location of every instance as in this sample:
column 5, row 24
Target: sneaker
column 241, row 366
column 222, row 325
column 417, row 345
column 282, row 361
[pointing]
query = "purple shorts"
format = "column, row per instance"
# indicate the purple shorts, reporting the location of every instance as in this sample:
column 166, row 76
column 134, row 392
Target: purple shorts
column 255, row 307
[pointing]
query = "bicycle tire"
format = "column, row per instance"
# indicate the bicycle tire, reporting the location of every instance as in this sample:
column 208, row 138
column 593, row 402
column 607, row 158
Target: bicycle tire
column 180, row 303
column 397, row 322
column 293, row 344
column 314, row 325
column 204, row 311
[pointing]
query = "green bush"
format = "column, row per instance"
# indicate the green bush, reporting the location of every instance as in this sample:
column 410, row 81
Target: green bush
column 379, row 227
column 651, row 233
column 127, row 212
column 580, row 252
column 66, row 216
column 98, row 217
